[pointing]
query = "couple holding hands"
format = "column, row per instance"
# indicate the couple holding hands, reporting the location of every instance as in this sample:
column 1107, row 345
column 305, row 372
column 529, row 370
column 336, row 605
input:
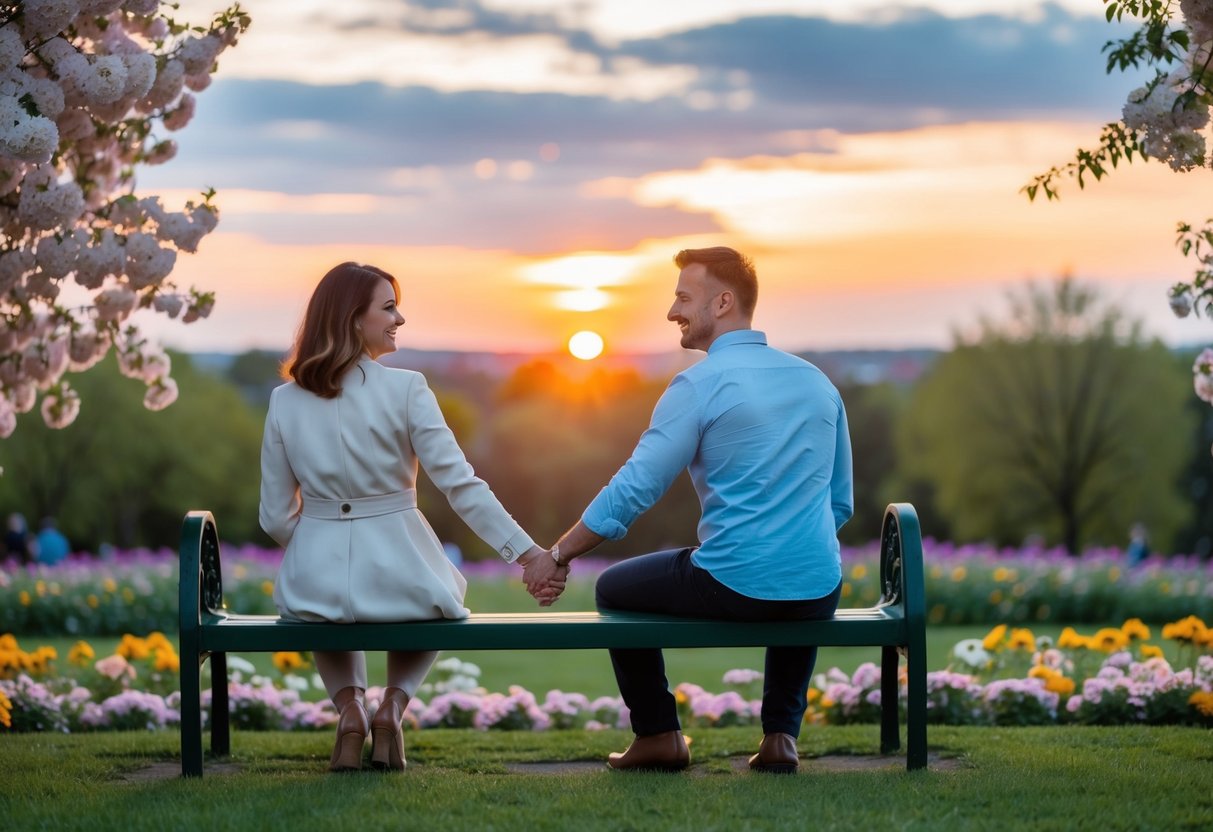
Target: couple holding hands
column 763, row 434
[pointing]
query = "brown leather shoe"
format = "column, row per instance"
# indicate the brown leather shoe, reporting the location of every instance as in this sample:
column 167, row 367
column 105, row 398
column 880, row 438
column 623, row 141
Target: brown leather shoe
column 776, row 755
column 387, row 740
column 352, row 728
column 658, row 752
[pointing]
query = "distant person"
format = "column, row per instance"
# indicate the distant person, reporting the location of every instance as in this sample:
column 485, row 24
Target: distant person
column 764, row 435
column 52, row 545
column 1139, row 546
column 338, row 491
column 17, row 539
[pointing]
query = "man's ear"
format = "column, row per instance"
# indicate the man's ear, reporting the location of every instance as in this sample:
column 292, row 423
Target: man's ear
column 726, row 302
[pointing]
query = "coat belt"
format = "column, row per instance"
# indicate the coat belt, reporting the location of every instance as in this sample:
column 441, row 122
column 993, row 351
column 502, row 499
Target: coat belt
column 356, row 507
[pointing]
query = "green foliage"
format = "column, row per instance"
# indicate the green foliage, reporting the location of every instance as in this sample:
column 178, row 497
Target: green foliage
column 124, row 475
column 1036, row 425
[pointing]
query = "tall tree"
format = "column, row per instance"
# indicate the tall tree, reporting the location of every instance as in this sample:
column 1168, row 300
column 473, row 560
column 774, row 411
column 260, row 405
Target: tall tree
column 1059, row 420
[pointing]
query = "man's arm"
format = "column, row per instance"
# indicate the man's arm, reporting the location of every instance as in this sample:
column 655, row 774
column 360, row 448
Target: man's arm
column 544, row 571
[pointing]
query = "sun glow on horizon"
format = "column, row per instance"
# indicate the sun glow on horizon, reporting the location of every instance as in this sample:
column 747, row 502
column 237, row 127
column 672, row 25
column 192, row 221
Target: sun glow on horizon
column 586, row 345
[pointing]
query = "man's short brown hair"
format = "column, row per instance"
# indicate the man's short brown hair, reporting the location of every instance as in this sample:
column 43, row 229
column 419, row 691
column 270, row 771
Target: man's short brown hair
column 730, row 267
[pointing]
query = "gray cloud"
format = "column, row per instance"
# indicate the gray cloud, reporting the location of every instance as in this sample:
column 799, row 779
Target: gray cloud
column 803, row 74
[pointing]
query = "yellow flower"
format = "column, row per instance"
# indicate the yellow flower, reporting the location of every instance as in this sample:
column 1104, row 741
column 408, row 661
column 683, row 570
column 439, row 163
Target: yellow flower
column 1022, row 639
column 1150, row 651
column 8, row 642
column 109, row 585
column 958, row 574
column 1186, row 629
column 133, row 648
column 996, row 596
column 286, row 662
column 24, row 598
column 1135, row 628
column 859, row 571
column 679, row 697
column 6, row 710
column 128, row 595
column 267, row 587
column 167, row 660
column 1070, row 638
column 1201, row 700
column 1060, row 685
column 993, row 639
column 847, row 590
column 40, row 588
column 1041, row 671
column 81, row 654
column 157, row 640
column 92, row 601
column 1110, row 639
column 1003, row 574
column 1114, row 574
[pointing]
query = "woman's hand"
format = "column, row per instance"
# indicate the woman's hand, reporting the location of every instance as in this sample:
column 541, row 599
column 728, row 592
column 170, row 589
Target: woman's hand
column 544, row 578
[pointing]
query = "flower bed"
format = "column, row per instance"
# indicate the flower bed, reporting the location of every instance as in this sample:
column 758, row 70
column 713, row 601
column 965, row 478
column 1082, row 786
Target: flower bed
column 1010, row 677
column 137, row 591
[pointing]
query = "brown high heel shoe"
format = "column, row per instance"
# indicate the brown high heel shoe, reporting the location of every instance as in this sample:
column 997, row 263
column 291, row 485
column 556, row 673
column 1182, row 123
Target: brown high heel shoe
column 352, row 728
column 387, row 740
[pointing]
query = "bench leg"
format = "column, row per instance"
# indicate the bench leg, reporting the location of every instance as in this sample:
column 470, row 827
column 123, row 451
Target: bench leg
column 916, row 703
column 889, row 729
column 221, row 738
column 191, row 715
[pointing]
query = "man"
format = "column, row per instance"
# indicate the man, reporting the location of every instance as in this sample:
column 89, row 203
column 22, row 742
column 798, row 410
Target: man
column 764, row 435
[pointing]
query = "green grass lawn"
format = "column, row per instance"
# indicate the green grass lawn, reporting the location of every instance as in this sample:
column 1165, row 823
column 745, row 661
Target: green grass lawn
column 1070, row 778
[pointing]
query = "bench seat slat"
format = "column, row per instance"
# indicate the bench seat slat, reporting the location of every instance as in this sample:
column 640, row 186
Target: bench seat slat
column 551, row 630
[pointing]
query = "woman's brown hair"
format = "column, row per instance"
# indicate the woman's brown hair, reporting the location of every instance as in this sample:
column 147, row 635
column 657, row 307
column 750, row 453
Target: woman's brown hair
column 328, row 343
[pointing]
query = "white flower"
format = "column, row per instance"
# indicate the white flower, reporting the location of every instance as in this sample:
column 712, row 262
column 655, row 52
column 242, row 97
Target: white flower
column 114, row 304
column 180, row 115
column 100, row 260
column 57, row 258
column 29, row 138
column 170, row 305
column 12, row 45
column 140, row 74
column 60, row 407
column 971, row 652
column 23, row 396
column 8, row 418
column 108, row 81
column 146, row 262
column 198, row 54
column 47, row 17
column 51, row 205
column 167, row 86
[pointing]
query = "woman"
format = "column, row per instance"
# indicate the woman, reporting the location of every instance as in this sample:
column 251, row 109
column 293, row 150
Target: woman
column 338, row 491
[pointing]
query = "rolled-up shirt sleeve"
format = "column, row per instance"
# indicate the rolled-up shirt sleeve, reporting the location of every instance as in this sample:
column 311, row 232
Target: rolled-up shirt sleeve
column 842, row 496
column 664, row 450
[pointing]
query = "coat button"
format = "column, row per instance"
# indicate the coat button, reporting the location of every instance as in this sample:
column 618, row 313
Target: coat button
column 345, row 508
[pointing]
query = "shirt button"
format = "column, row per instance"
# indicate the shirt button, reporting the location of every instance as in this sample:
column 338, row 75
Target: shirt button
column 345, row 508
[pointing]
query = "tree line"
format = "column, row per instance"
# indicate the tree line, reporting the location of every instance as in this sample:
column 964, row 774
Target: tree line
column 1059, row 422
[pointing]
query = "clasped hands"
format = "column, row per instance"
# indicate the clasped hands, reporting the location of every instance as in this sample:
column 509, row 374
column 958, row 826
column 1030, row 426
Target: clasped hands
column 544, row 579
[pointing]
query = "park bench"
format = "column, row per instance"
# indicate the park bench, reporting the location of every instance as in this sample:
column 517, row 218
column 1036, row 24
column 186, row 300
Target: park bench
column 896, row 624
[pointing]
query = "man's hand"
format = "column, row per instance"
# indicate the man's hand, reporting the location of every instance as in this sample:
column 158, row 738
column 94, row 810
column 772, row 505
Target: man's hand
column 543, row 578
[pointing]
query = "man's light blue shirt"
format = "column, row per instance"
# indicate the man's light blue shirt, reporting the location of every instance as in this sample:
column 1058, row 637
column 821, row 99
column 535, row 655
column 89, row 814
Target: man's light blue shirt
column 764, row 435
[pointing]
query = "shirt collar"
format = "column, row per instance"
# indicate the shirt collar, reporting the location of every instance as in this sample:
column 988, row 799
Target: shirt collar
column 738, row 336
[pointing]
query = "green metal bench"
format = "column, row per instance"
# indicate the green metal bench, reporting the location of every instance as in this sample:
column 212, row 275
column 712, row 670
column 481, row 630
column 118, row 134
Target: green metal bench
column 896, row 624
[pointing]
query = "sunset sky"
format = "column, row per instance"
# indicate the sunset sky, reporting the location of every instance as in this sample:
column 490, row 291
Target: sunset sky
column 527, row 168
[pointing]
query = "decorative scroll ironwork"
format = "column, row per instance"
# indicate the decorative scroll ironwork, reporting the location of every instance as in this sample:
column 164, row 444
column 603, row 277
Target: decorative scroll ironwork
column 211, row 585
column 890, row 564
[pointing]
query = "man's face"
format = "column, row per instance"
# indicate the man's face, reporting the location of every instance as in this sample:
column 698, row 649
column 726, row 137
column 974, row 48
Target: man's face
column 694, row 297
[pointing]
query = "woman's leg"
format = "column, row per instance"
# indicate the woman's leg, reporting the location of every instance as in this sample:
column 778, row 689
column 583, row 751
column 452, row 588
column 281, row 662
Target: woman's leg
column 406, row 669
column 344, row 675
column 340, row 669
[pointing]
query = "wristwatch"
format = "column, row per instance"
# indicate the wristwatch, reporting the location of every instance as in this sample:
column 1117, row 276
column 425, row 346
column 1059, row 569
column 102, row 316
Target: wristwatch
column 556, row 557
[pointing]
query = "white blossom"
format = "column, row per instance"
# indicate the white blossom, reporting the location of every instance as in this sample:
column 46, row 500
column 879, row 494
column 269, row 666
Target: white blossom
column 180, row 116
column 114, row 304
column 160, row 394
column 146, row 262
column 60, row 407
column 8, row 418
column 1181, row 303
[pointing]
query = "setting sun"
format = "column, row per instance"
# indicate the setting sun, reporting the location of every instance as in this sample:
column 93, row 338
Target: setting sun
column 586, row 345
